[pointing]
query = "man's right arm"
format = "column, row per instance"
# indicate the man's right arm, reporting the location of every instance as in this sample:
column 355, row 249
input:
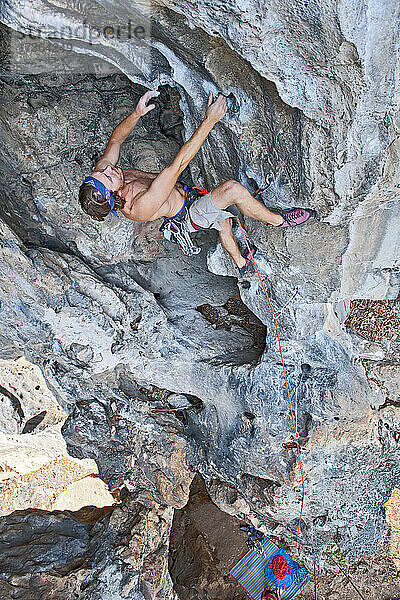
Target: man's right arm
column 161, row 187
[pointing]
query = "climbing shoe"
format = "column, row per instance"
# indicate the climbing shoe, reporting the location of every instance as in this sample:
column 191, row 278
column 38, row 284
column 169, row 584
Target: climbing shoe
column 247, row 256
column 296, row 216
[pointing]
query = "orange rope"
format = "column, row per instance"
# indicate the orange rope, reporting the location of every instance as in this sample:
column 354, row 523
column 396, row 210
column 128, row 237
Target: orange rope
column 284, row 373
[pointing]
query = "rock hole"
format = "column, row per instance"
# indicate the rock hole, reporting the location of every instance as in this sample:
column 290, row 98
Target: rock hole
column 305, row 371
column 235, row 313
column 249, row 415
column 259, row 484
column 135, row 322
column 33, row 422
column 195, row 402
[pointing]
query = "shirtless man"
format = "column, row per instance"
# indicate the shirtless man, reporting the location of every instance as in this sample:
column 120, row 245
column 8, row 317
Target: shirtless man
column 143, row 196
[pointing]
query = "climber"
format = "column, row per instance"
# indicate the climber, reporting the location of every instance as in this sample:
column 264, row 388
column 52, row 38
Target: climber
column 143, row 196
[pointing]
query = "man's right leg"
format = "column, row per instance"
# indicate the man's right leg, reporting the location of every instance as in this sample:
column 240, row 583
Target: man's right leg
column 232, row 192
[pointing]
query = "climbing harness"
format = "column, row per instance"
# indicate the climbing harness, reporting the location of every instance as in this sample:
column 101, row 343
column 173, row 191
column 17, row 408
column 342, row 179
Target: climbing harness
column 255, row 541
column 286, row 381
column 175, row 229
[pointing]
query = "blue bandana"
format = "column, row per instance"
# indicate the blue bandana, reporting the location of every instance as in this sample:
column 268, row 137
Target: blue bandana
column 103, row 191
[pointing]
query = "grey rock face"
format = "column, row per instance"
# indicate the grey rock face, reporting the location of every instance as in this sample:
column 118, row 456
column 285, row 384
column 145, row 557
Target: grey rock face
column 45, row 555
column 86, row 554
column 109, row 310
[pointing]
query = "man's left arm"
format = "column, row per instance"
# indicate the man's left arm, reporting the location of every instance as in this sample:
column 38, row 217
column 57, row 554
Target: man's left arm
column 123, row 130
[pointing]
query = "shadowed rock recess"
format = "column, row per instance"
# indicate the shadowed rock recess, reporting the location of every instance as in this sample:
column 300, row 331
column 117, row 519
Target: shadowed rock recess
column 168, row 367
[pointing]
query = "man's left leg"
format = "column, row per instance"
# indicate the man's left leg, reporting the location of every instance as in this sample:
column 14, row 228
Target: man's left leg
column 228, row 241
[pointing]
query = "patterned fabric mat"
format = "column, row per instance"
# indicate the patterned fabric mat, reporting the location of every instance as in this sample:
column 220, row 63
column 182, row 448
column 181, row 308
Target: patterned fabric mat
column 250, row 572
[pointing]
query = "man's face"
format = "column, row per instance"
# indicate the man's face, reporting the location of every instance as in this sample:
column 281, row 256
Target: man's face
column 112, row 177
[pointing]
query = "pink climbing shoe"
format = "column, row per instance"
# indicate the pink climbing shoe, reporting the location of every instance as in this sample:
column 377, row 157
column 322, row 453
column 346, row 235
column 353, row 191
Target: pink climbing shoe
column 248, row 256
column 296, row 216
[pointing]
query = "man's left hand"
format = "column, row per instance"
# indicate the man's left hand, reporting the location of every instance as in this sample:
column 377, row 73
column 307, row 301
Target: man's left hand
column 142, row 108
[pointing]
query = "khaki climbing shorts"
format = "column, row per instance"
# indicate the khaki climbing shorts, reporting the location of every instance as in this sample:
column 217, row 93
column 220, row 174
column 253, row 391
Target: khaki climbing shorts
column 203, row 214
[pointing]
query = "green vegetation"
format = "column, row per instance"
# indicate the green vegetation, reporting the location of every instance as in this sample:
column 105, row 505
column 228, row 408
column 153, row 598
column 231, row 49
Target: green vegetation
column 333, row 552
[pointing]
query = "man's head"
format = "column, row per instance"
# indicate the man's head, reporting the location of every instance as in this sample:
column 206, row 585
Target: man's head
column 98, row 194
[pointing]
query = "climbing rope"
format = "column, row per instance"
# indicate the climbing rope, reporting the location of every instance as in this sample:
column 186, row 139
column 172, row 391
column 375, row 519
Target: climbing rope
column 315, row 579
column 280, row 567
column 347, row 577
column 284, row 374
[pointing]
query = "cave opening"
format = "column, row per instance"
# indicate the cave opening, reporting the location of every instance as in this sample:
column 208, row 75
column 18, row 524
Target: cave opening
column 205, row 543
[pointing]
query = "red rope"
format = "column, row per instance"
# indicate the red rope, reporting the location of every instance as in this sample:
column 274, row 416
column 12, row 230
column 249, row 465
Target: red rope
column 286, row 382
column 280, row 567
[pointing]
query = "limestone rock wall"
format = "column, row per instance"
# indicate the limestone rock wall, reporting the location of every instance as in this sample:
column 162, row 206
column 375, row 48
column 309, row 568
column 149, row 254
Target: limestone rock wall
column 88, row 553
column 334, row 63
column 153, row 392
column 36, row 470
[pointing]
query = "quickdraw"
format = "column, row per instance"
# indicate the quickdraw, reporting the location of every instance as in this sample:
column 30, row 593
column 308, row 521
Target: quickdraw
column 178, row 233
column 175, row 229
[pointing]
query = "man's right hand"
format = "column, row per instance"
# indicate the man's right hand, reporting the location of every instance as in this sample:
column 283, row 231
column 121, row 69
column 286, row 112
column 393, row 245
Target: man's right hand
column 216, row 110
